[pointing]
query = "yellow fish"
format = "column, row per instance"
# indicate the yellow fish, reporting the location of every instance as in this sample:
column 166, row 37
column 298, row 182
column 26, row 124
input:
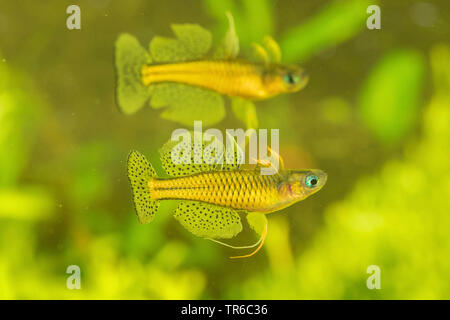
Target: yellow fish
column 186, row 61
column 233, row 78
column 213, row 196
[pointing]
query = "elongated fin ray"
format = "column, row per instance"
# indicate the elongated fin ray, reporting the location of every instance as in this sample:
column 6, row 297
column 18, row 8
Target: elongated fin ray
column 273, row 49
column 208, row 221
column 229, row 47
column 234, row 160
column 259, row 54
column 188, row 149
column 236, row 247
column 258, row 222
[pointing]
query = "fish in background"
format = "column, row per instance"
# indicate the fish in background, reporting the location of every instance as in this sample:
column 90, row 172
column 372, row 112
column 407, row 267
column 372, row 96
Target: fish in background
column 186, row 60
column 214, row 196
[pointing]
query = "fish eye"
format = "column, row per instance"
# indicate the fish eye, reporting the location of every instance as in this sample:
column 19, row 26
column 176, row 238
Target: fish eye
column 290, row 78
column 311, row 181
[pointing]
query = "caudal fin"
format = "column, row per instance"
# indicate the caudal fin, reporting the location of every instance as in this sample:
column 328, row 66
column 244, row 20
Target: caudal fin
column 140, row 171
column 130, row 56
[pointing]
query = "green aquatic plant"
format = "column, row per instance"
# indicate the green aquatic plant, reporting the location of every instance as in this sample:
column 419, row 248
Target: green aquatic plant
column 337, row 22
column 18, row 122
column 254, row 19
column 390, row 97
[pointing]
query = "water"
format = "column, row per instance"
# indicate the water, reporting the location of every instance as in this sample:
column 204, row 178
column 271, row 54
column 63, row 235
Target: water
column 378, row 129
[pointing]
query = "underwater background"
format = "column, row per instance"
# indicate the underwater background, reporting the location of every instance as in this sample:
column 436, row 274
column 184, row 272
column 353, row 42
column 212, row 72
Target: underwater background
column 375, row 116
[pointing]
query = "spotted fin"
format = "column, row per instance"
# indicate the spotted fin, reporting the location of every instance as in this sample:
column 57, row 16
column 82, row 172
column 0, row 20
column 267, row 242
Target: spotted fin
column 139, row 173
column 259, row 54
column 208, row 221
column 130, row 56
column 185, row 103
column 192, row 42
column 235, row 159
column 187, row 148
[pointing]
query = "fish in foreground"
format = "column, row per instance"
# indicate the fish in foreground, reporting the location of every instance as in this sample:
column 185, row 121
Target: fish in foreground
column 214, row 196
column 185, row 60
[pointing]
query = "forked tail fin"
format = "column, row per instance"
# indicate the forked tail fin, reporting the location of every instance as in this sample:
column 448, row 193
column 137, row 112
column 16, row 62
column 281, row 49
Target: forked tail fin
column 140, row 171
column 130, row 57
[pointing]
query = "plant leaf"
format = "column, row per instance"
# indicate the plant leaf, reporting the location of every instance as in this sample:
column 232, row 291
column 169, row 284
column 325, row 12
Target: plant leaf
column 390, row 97
column 337, row 22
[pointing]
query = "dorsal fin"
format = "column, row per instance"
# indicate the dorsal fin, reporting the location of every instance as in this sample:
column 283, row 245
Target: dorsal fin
column 229, row 48
column 236, row 158
column 188, row 147
column 192, row 42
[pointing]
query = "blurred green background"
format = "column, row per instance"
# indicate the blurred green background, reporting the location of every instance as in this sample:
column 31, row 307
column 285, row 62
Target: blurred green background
column 375, row 116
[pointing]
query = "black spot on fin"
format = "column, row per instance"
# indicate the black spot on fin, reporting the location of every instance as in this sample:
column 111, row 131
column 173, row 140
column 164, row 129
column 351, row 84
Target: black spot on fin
column 130, row 57
column 207, row 220
column 140, row 171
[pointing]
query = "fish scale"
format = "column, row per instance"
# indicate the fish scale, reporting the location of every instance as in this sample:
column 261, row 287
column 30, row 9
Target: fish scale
column 246, row 190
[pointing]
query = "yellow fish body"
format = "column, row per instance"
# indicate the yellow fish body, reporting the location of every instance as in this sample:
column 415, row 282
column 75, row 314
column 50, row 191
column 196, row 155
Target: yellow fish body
column 233, row 78
column 241, row 189
column 213, row 199
column 138, row 73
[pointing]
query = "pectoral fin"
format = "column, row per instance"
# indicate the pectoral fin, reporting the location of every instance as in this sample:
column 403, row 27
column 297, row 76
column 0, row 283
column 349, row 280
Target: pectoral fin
column 258, row 222
column 245, row 111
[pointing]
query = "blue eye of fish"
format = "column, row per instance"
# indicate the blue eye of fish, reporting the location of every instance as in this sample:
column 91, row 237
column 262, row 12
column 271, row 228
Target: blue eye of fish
column 311, row 181
column 289, row 78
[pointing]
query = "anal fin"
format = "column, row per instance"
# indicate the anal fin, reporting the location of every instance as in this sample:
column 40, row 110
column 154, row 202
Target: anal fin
column 208, row 221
